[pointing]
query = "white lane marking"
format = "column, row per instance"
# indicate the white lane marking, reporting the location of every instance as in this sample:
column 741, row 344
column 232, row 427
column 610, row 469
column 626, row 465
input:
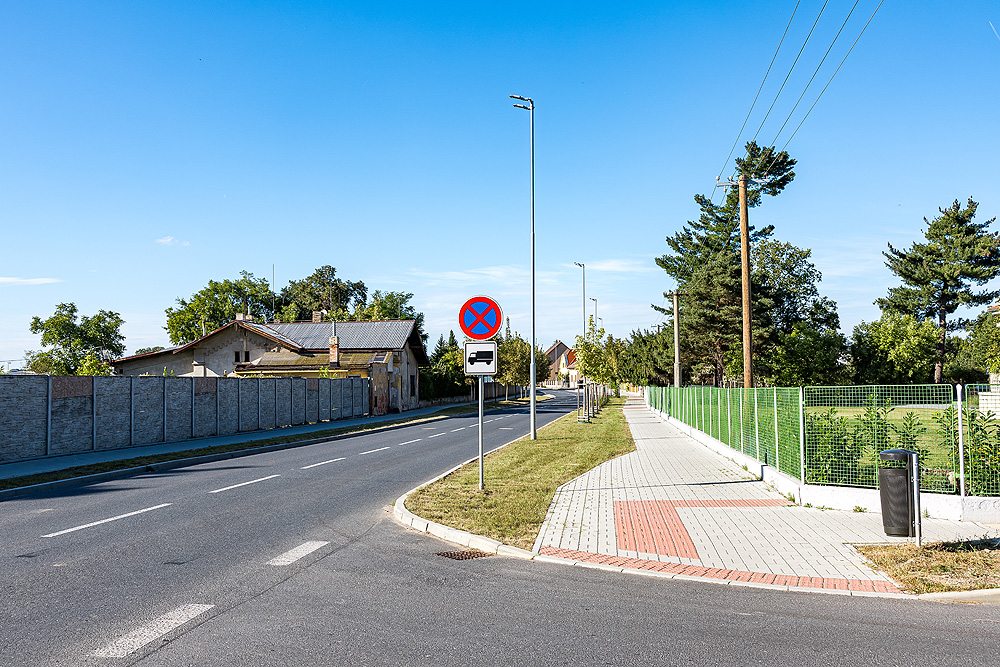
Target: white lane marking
column 114, row 518
column 372, row 451
column 298, row 552
column 252, row 481
column 454, row 430
column 322, row 463
column 436, row 435
column 410, row 442
column 152, row 631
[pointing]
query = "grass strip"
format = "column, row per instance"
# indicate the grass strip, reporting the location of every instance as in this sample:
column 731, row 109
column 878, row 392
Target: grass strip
column 939, row 566
column 521, row 479
column 140, row 461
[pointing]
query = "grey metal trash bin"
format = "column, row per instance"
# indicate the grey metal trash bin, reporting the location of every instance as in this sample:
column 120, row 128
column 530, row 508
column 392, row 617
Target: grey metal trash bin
column 896, row 489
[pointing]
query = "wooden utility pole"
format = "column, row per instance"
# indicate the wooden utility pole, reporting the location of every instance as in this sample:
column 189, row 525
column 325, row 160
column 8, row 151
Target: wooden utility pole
column 745, row 261
column 677, row 340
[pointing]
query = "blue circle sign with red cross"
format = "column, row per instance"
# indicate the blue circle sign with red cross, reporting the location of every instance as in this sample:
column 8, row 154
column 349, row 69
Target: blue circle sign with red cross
column 480, row 318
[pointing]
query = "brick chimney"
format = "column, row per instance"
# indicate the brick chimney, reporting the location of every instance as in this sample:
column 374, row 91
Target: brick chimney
column 334, row 351
column 317, row 317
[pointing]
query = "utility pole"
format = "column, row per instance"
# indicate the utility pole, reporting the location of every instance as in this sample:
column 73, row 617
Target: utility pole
column 677, row 340
column 745, row 261
column 745, row 265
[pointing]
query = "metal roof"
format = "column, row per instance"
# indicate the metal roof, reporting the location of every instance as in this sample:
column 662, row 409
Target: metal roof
column 378, row 335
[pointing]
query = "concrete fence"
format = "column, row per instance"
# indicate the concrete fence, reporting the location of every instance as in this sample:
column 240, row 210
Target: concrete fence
column 51, row 415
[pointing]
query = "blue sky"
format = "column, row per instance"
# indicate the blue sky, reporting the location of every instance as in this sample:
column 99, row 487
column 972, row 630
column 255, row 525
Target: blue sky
column 147, row 148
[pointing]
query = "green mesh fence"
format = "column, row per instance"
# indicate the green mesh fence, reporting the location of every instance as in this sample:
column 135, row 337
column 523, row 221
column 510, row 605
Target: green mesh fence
column 846, row 428
column 841, row 430
column 981, row 433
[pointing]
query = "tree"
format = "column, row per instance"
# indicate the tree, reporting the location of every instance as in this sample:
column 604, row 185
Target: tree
column 322, row 290
column 217, row 304
column 147, row 350
column 388, row 306
column 72, row 341
column 895, row 349
column 807, row 356
column 705, row 263
column 939, row 276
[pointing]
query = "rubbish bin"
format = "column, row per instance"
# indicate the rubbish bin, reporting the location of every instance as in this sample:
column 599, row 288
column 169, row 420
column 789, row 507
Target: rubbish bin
column 896, row 489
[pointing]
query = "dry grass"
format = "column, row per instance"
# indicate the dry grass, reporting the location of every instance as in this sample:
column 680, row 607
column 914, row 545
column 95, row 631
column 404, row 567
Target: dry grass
column 939, row 566
column 522, row 478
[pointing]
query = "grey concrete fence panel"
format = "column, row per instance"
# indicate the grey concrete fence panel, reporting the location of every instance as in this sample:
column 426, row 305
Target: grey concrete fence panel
column 205, row 406
column 229, row 398
column 23, row 416
column 113, row 396
column 249, row 408
column 72, row 415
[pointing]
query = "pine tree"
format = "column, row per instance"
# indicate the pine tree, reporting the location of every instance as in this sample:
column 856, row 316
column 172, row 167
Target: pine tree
column 939, row 276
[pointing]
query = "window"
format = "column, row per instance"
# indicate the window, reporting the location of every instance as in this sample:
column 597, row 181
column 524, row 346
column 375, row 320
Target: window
column 236, row 357
column 413, row 386
column 246, row 356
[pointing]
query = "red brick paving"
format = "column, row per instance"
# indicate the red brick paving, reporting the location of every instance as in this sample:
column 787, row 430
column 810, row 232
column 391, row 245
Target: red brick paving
column 655, row 527
column 832, row 583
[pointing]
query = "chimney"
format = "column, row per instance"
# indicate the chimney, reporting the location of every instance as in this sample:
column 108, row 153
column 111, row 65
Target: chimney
column 317, row 316
column 239, row 317
column 334, row 351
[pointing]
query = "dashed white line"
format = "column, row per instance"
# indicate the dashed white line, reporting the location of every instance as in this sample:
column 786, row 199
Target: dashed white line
column 152, row 631
column 321, row 463
column 298, row 552
column 252, row 481
column 114, row 518
column 436, row 435
column 455, row 430
column 410, row 442
column 372, row 451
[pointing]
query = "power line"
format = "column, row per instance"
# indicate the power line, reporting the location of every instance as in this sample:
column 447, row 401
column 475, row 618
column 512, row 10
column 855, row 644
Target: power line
column 827, row 85
column 790, row 69
column 745, row 120
column 815, row 72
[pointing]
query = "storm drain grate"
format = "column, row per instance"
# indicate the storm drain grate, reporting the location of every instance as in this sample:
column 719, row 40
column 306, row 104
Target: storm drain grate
column 465, row 554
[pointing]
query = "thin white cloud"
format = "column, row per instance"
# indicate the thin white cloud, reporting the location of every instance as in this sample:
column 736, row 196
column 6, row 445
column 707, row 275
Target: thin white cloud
column 170, row 240
column 28, row 281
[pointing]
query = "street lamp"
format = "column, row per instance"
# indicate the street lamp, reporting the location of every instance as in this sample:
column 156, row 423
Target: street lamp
column 530, row 107
column 594, row 299
column 579, row 377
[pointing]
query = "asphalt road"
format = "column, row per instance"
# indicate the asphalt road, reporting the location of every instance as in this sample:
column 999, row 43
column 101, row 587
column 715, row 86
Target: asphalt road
column 292, row 558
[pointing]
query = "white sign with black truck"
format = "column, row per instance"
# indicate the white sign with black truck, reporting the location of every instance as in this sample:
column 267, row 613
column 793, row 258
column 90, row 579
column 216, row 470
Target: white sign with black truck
column 481, row 358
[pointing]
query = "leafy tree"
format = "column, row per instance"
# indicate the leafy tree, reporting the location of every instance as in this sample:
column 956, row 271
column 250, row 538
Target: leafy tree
column 939, row 276
column 895, row 349
column 388, row 306
column 147, row 350
column 71, row 340
column 217, row 304
column 322, row 290
column 807, row 355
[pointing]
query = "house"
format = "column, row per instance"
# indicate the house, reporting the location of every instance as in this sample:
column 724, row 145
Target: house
column 567, row 367
column 386, row 351
column 557, row 349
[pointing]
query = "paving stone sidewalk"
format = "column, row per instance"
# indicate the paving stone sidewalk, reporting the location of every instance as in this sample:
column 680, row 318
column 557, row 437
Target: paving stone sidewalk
column 675, row 506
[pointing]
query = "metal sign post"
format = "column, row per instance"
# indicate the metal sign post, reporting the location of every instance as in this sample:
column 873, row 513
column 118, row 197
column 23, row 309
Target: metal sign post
column 481, row 360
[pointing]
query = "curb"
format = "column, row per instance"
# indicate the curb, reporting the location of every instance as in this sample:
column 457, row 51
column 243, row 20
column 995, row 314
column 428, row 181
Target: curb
column 979, row 596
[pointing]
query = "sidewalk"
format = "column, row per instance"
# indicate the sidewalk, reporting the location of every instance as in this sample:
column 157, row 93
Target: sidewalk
column 54, row 463
column 676, row 507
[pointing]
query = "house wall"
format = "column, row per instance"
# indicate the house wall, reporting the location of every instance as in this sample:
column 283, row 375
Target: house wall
column 43, row 416
column 213, row 357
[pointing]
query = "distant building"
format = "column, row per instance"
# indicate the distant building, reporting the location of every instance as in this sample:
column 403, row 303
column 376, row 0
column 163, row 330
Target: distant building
column 558, row 349
column 386, row 351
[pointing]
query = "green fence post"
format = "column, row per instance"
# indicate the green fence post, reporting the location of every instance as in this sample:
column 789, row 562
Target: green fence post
column 777, row 447
column 802, row 437
column 741, row 393
column 756, row 423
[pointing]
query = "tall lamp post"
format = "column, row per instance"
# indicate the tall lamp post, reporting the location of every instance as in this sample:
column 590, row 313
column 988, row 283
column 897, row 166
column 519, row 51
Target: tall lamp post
column 530, row 107
column 579, row 378
column 594, row 299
